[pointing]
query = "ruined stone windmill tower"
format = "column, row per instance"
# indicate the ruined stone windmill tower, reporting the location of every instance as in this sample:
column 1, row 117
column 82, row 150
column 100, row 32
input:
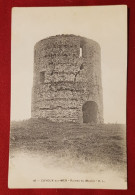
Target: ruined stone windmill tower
column 67, row 80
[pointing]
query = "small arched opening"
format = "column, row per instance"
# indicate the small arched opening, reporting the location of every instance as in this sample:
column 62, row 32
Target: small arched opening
column 80, row 54
column 42, row 77
column 90, row 110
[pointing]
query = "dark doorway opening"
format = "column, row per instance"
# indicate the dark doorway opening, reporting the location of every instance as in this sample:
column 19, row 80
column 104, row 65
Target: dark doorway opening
column 90, row 110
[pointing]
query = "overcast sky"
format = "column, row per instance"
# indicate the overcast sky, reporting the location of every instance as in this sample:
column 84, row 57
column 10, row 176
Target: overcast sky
column 104, row 24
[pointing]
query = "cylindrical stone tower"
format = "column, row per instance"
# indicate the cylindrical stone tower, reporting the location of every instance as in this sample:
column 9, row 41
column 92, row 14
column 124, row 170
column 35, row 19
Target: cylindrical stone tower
column 67, row 82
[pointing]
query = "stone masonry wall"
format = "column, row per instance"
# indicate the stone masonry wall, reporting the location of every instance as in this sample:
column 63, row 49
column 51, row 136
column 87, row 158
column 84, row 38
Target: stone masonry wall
column 67, row 73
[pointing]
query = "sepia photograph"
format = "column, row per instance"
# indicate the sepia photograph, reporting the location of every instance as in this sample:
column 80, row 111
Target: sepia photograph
column 68, row 97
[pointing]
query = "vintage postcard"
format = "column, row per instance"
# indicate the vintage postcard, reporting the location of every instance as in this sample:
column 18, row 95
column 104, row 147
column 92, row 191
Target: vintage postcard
column 68, row 97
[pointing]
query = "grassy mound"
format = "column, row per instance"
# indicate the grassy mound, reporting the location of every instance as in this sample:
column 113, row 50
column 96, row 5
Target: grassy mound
column 104, row 143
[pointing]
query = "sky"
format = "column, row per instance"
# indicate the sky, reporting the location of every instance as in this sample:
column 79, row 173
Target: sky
column 105, row 24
